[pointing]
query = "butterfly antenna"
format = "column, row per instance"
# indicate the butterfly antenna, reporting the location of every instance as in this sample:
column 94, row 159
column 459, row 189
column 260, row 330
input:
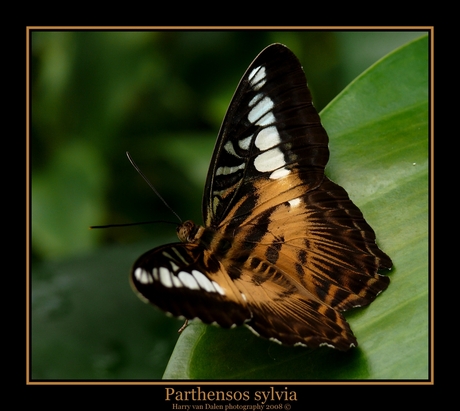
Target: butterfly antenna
column 130, row 224
column 151, row 185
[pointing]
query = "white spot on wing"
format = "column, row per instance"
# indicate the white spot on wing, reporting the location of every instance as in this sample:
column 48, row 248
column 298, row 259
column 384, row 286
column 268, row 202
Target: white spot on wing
column 165, row 277
column 167, row 255
column 268, row 138
column 176, row 281
column 275, row 340
column 188, row 280
column 261, row 114
column 203, row 281
column 245, row 143
column 257, row 77
column 295, row 202
column 269, row 160
column 138, row 273
column 174, row 266
column 219, row 289
column 155, row 274
column 281, row 172
column 229, row 170
column 197, row 281
column 252, row 329
column 230, row 150
column 299, row 344
column 269, row 118
column 257, row 98
column 325, row 344
column 142, row 276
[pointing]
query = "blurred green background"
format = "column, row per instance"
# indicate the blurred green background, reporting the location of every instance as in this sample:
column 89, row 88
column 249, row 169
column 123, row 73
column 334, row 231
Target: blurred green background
column 161, row 95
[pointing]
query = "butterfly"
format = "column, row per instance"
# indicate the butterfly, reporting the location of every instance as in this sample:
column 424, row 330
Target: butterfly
column 283, row 250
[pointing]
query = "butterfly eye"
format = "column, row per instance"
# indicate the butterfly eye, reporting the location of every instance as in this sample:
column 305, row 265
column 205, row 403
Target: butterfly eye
column 187, row 231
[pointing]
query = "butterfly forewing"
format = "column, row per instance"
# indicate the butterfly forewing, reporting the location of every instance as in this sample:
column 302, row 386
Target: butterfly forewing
column 271, row 129
column 283, row 249
column 176, row 279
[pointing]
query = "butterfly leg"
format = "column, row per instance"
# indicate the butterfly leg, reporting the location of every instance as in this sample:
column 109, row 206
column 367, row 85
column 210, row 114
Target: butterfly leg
column 184, row 326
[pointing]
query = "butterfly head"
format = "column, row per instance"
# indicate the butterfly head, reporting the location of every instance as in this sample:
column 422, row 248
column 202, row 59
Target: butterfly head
column 187, row 231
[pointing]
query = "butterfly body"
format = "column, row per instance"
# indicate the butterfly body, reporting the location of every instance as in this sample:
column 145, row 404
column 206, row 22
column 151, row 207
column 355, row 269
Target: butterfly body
column 282, row 249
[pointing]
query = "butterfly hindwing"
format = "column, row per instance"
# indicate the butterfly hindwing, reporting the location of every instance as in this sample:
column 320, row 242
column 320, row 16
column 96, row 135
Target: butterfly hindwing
column 302, row 261
column 283, row 249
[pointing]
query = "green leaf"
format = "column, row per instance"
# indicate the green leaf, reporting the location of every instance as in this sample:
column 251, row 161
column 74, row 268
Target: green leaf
column 378, row 128
column 88, row 324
